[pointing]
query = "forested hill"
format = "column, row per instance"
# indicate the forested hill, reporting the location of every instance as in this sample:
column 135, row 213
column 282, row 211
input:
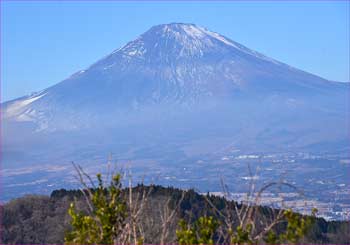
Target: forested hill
column 35, row 219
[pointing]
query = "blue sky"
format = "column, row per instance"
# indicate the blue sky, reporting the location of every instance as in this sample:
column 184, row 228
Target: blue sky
column 44, row 42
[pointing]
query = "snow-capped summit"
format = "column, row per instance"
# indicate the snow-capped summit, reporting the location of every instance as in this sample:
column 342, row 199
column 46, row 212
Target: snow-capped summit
column 179, row 40
column 169, row 43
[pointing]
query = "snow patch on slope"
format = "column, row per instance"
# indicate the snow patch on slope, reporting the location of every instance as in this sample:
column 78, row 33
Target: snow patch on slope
column 19, row 111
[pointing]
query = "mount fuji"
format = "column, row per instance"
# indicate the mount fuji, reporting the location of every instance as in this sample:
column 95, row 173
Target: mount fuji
column 178, row 90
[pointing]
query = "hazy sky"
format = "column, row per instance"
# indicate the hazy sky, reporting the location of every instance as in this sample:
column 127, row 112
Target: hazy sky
column 44, row 42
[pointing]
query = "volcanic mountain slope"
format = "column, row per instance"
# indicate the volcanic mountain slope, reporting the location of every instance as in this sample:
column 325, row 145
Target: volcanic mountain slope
column 183, row 81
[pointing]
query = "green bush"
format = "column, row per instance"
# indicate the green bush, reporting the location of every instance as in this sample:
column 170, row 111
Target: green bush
column 106, row 218
column 202, row 232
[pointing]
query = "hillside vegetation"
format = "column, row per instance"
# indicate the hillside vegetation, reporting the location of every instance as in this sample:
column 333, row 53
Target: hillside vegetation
column 37, row 219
